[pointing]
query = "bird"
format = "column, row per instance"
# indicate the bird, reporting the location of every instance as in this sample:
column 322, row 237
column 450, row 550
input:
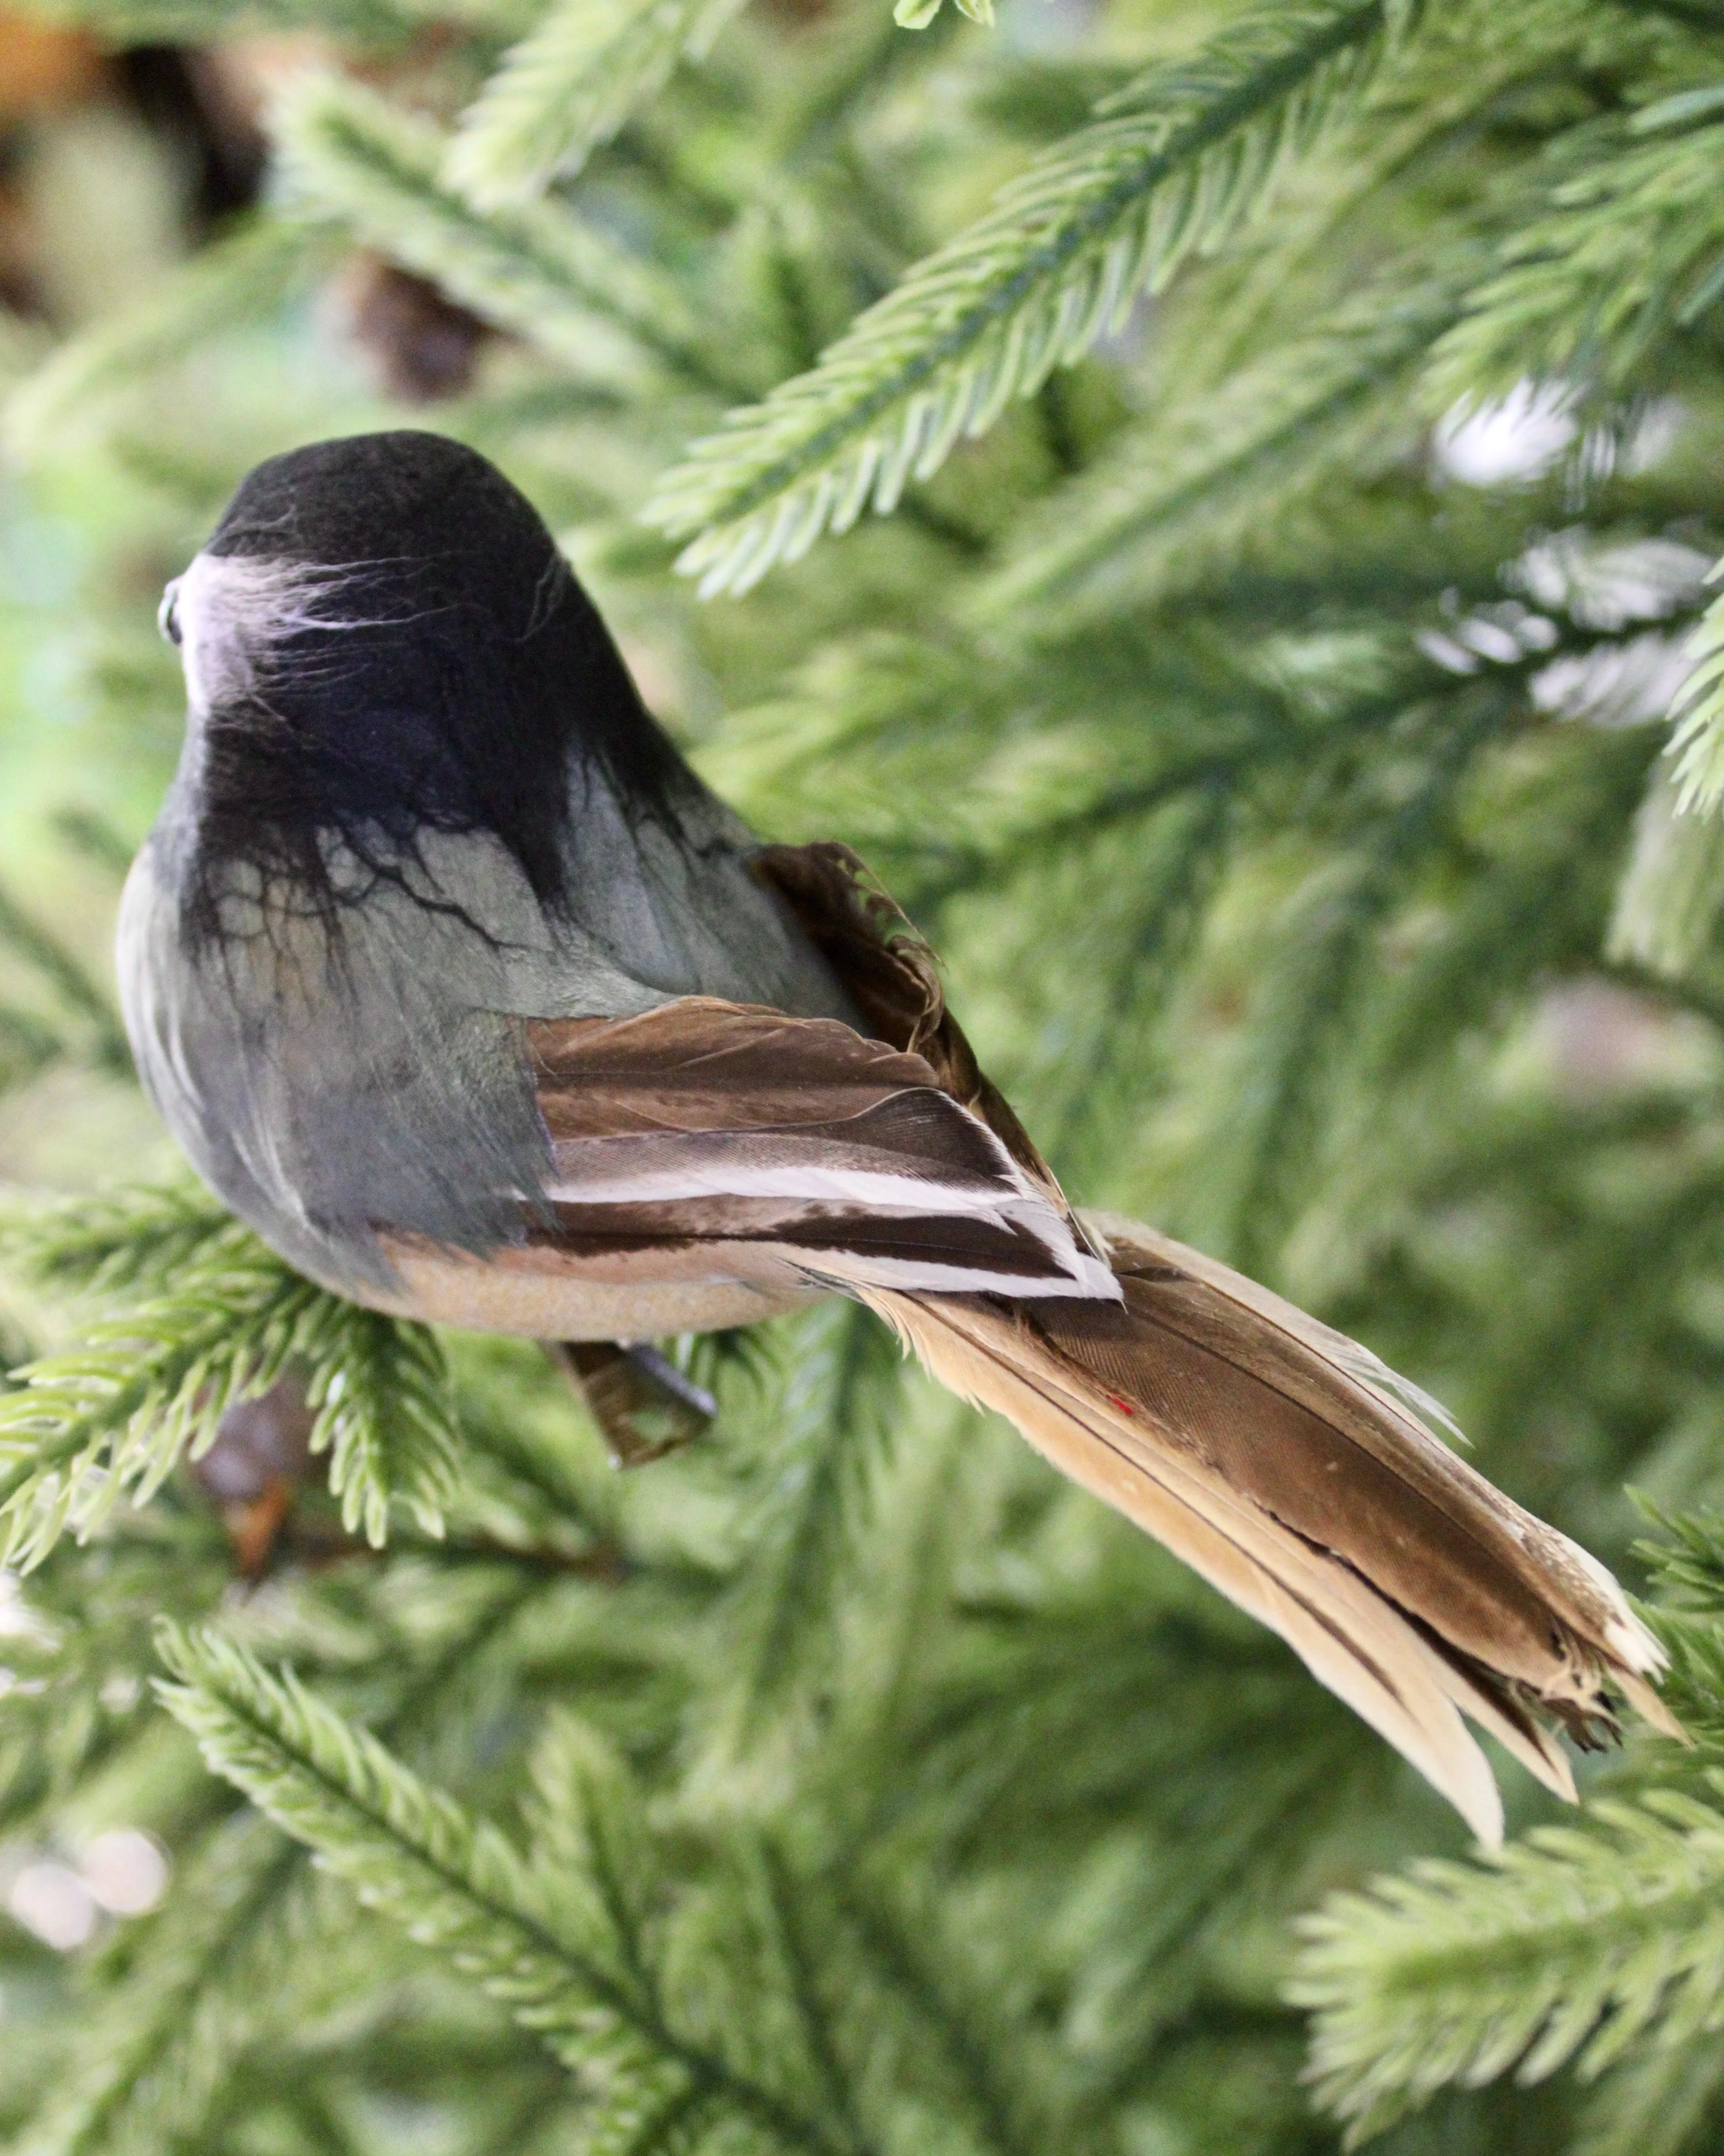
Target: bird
column 454, row 982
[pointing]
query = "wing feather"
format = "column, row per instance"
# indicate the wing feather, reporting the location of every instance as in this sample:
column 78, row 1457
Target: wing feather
column 708, row 1122
column 1283, row 1462
column 1381, row 1469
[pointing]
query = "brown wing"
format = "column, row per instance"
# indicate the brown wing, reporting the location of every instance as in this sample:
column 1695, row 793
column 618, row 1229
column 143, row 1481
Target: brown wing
column 703, row 1124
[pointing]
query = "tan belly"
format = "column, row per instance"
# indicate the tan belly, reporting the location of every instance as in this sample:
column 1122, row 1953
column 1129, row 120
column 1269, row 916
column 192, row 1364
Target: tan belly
column 545, row 1295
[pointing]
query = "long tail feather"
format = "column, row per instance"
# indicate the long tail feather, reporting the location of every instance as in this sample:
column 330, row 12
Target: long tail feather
column 1298, row 1475
column 1283, row 1462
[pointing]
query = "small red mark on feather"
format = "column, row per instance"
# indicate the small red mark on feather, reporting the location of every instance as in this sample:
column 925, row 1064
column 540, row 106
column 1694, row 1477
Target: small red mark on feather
column 1114, row 1400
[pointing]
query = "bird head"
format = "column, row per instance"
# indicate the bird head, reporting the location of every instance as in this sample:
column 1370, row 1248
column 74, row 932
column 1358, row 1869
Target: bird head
column 381, row 640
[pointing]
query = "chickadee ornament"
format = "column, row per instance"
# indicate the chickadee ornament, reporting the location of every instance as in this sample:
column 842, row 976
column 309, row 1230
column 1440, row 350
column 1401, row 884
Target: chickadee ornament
column 454, row 982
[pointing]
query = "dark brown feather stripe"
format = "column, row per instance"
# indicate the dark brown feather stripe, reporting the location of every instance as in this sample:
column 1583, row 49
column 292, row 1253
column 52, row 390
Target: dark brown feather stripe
column 957, row 1239
column 892, row 976
column 1451, row 1564
column 701, row 1065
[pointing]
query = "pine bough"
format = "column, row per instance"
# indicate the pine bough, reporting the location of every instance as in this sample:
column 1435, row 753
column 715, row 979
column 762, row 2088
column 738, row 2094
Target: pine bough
column 148, row 1386
column 1171, row 166
column 560, row 1935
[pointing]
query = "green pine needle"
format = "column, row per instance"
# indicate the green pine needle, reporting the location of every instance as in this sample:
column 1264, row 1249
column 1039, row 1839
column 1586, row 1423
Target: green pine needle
column 917, row 14
column 1212, row 469
column 1671, row 895
column 245, row 277
column 346, row 153
column 408, row 1849
column 370, row 24
column 1656, row 2103
column 27, row 1046
column 69, row 978
column 1171, row 166
column 1579, row 1940
column 143, row 1390
column 143, row 1237
column 1698, row 742
column 150, row 2058
column 781, row 1625
column 1622, row 247
column 587, row 68
column 380, row 1389
column 553, row 1940
column 1690, row 1565
column 197, row 22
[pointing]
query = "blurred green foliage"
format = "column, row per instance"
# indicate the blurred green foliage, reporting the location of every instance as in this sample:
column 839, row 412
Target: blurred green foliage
column 1263, row 713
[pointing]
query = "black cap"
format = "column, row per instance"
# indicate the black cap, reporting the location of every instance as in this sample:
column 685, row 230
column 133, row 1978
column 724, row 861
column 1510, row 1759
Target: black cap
column 471, row 537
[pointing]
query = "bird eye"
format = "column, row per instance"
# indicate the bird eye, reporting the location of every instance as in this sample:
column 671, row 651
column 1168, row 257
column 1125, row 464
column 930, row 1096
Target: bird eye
column 167, row 619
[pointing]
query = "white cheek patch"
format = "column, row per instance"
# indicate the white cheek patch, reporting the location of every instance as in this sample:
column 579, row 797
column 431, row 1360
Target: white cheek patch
column 232, row 610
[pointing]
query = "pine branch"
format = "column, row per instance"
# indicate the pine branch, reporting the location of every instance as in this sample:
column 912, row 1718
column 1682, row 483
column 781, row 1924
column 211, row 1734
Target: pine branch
column 80, row 1428
column 1594, row 1940
column 1695, row 1687
column 163, row 2040
column 1697, row 742
column 1687, row 1569
column 1689, row 1564
column 119, row 1412
column 529, row 1488
column 1623, row 248
column 140, row 1238
column 1705, row 16
column 1657, row 2103
column 156, row 2050
column 1529, row 912
column 630, row 2119
column 1671, row 894
column 771, row 2017
column 799, row 1972
column 372, row 25
column 197, row 22
column 1193, row 483
column 381, row 1392
column 453, row 1882
column 1286, row 1059
column 245, row 277
column 781, row 1625
column 70, row 977
column 408, row 1849
column 26, row 1047
column 76, row 1710
column 590, row 1850
column 586, row 68
column 1171, row 166
column 907, row 1955
column 536, row 270
column 1177, row 851
column 91, row 834
column 917, row 14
